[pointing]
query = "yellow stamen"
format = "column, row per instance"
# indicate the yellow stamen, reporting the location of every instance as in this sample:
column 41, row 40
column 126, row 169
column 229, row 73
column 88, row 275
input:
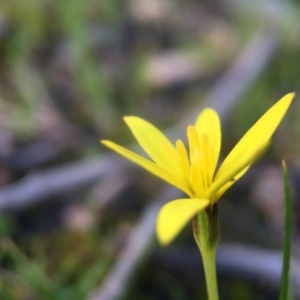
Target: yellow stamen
column 194, row 174
column 183, row 157
column 193, row 140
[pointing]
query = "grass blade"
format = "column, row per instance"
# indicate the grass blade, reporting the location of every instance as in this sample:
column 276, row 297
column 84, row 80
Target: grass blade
column 284, row 288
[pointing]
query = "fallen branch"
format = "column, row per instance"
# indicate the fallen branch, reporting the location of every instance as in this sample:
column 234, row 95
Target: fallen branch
column 43, row 185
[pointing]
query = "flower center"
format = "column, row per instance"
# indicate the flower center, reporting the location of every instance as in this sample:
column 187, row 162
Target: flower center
column 197, row 166
column 201, row 163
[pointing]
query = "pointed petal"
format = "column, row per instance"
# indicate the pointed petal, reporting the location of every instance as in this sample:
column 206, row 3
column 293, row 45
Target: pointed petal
column 155, row 143
column 227, row 185
column 174, row 215
column 208, row 123
column 229, row 176
column 259, row 133
column 234, row 179
column 149, row 166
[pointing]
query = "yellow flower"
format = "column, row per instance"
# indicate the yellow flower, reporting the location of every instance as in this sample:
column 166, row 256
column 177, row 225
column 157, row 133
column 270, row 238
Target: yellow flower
column 194, row 171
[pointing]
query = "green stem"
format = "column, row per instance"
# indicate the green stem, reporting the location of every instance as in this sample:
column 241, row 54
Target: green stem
column 207, row 235
column 209, row 263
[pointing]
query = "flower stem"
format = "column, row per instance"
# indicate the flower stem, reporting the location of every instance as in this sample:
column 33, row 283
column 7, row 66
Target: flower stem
column 207, row 235
column 209, row 263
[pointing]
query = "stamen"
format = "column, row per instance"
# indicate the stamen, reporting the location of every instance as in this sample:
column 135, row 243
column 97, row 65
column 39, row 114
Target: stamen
column 195, row 174
column 213, row 161
column 193, row 140
column 183, row 159
column 206, row 164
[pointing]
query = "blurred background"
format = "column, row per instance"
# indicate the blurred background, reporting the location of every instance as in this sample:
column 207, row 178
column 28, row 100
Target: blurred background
column 77, row 221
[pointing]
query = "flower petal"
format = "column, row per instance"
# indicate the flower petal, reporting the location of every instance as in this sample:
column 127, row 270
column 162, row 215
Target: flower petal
column 155, row 143
column 208, row 123
column 174, row 215
column 258, row 134
column 149, row 166
column 241, row 164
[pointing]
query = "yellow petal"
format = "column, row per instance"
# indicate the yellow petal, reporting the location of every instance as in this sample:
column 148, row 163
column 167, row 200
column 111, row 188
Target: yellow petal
column 155, row 143
column 238, row 175
column 149, row 166
column 174, row 215
column 259, row 133
column 208, row 123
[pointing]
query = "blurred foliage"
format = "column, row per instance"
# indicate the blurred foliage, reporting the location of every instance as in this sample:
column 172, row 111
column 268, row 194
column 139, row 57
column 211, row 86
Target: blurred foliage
column 74, row 68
